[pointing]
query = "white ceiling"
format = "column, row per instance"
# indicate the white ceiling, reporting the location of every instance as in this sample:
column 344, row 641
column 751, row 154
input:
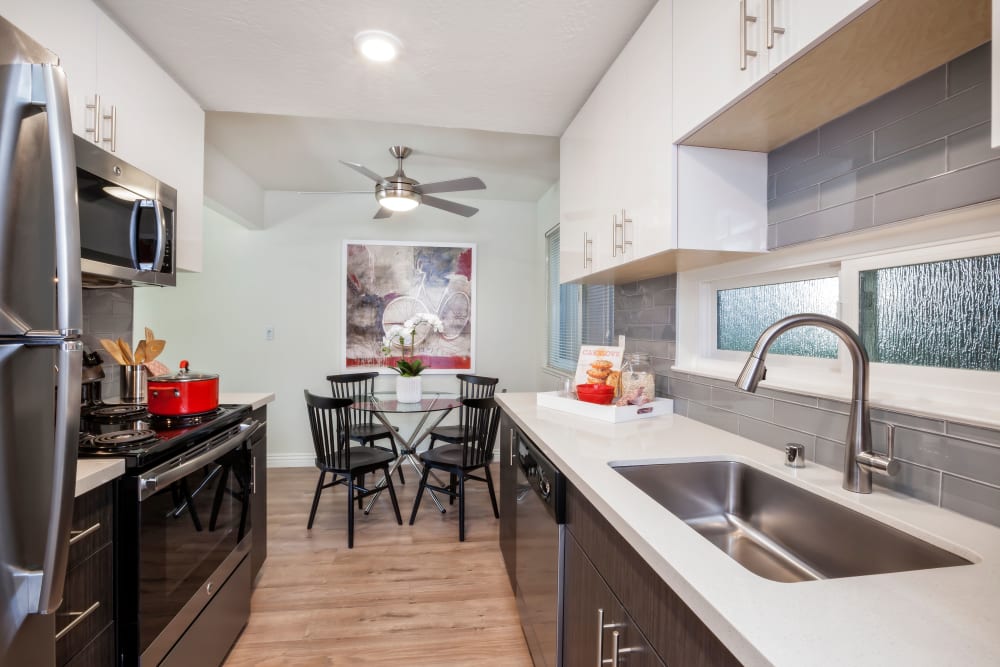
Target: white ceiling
column 513, row 66
column 294, row 153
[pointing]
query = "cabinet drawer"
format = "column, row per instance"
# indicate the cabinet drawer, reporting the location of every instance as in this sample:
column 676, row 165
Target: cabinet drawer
column 675, row 632
column 98, row 653
column 92, row 515
column 87, row 604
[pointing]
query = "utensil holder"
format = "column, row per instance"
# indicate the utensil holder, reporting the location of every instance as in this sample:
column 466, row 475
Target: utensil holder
column 133, row 384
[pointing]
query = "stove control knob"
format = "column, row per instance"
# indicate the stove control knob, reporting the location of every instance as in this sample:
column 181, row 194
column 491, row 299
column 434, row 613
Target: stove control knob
column 149, row 484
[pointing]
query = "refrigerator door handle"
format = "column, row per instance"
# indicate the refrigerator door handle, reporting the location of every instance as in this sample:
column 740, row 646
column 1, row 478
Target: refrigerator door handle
column 41, row 591
column 49, row 91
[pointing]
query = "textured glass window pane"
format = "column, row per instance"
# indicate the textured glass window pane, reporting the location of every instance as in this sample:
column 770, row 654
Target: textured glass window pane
column 744, row 312
column 944, row 314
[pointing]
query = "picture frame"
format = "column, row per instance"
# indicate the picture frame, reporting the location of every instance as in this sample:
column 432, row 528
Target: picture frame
column 388, row 282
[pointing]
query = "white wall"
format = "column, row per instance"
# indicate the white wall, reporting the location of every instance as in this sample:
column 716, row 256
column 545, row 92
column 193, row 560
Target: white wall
column 289, row 276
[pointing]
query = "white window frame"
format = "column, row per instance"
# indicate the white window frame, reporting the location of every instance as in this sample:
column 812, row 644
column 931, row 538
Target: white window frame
column 969, row 395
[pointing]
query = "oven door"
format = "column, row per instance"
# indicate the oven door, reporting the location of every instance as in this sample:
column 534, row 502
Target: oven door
column 192, row 529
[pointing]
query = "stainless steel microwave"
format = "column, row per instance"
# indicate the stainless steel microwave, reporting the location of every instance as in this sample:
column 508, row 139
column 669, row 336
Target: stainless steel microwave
column 127, row 221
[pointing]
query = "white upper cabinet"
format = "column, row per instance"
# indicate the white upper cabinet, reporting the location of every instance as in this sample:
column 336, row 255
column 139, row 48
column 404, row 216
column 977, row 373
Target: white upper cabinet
column 629, row 198
column 144, row 116
column 615, row 159
column 995, row 127
column 723, row 47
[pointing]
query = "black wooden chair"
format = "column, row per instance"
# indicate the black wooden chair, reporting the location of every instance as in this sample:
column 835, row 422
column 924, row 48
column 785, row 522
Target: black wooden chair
column 469, row 386
column 475, row 452
column 330, row 424
column 365, row 429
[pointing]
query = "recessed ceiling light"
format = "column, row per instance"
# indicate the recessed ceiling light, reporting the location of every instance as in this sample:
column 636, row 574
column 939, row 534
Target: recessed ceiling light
column 377, row 45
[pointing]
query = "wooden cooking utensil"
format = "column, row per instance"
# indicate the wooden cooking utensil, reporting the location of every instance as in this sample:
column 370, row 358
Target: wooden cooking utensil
column 111, row 347
column 149, row 337
column 140, row 352
column 154, row 349
column 126, row 352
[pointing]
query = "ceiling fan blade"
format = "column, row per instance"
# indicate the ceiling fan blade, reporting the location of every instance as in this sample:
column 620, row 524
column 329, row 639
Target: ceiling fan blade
column 382, row 212
column 457, row 185
column 361, row 169
column 450, row 206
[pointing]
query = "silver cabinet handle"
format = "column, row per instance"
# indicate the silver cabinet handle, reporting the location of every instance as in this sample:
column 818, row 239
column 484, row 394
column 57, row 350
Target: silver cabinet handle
column 511, row 445
column 744, row 19
column 588, row 250
column 626, row 243
column 81, row 616
column 772, row 30
column 77, row 535
column 113, row 139
column 96, row 108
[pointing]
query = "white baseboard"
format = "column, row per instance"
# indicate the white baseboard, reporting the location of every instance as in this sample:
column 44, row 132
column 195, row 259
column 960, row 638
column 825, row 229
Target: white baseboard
column 303, row 460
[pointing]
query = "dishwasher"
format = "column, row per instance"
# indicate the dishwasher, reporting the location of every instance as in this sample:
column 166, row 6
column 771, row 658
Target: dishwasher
column 541, row 513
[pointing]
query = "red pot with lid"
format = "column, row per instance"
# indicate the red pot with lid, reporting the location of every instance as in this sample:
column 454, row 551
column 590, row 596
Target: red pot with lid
column 183, row 393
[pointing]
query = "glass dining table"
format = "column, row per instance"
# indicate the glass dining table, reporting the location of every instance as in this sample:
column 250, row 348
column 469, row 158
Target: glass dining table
column 381, row 405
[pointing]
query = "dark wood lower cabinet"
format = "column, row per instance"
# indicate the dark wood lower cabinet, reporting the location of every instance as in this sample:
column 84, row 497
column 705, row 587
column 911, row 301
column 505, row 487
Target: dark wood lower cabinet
column 596, row 628
column 652, row 612
column 85, row 634
column 508, row 497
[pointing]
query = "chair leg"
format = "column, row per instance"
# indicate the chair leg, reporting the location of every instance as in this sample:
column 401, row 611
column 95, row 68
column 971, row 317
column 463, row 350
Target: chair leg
column 392, row 495
column 350, row 511
column 420, row 493
column 395, row 452
column 361, row 482
column 319, row 490
column 451, row 485
column 493, row 494
column 461, row 507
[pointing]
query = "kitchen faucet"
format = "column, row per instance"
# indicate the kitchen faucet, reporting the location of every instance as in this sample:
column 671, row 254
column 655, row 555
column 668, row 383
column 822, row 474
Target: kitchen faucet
column 859, row 459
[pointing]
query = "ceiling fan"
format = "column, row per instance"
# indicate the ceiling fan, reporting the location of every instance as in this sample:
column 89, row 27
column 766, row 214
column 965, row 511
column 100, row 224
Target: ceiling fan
column 398, row 192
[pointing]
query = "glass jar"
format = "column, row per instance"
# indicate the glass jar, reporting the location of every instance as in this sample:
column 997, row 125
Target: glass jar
column 638, row 383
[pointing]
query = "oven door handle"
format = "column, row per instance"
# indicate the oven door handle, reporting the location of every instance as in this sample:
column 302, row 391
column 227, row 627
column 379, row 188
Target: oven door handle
column 163, row 476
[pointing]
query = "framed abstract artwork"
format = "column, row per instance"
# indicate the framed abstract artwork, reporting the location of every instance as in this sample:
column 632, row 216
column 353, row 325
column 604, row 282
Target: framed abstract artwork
column 389, row 283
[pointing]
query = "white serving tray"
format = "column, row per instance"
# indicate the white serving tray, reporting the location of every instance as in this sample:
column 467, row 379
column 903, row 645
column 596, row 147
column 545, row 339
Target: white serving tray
column 557, row 400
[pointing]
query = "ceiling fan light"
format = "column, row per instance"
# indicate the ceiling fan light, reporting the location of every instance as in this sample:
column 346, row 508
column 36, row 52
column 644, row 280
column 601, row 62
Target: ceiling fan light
column 377, row 45
column 398, row 203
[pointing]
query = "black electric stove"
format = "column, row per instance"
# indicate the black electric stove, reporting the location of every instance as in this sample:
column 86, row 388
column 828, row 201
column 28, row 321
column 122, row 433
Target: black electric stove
column 130, row 432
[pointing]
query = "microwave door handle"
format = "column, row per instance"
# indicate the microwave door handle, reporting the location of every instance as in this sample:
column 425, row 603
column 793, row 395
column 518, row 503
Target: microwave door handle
column 133, row 234
column 161, row 235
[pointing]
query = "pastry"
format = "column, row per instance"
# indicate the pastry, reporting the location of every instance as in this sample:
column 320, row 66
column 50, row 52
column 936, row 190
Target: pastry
column 601, row 365
column 613, row 378
column 598, row 374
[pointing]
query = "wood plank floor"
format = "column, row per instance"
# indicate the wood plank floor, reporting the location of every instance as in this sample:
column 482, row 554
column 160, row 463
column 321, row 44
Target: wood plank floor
column 405, row 595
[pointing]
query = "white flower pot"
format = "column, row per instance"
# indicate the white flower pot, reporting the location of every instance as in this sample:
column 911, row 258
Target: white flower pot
column 408, row 389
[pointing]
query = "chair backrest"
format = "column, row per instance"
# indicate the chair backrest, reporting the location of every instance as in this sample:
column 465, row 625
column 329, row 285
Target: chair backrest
column 479, row 432
column 474, row 386
column 331, row 430
column 356, row 386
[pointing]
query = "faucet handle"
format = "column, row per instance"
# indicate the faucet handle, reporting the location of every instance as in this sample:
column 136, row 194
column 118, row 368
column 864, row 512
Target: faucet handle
column 886, row 465
column 795, row 455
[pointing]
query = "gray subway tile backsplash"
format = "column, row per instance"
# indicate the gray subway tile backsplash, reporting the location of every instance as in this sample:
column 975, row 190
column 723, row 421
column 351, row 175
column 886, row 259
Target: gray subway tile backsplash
column 775, row 436
column 970, row 147
column 837, row 161
column 727, row 421
column 921, row 483
column 908, row 167
column 742, row 403
column 830, row 425
column 961, row 457
column 972, row 185
column 980, row 501
column 920, row 149
column 968, row 108
column 828, row 222
column 793, row 204
column 968, row 70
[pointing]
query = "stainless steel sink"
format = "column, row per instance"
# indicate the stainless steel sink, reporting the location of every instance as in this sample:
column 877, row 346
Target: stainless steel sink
column 778, row 530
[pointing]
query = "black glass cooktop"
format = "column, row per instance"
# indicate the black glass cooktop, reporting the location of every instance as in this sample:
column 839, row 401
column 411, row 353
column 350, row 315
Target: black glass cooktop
column 129, row 431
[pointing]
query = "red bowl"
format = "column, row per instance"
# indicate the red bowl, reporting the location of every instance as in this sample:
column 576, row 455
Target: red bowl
column 601, row 394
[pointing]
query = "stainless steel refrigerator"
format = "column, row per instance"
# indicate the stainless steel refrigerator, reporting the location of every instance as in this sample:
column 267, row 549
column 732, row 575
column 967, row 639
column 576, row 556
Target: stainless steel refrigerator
column 40, row 356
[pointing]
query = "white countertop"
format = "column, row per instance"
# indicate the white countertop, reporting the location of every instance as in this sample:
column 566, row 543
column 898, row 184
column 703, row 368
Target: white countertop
column 253, row 400
column 91, row 473
column 946, row 616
